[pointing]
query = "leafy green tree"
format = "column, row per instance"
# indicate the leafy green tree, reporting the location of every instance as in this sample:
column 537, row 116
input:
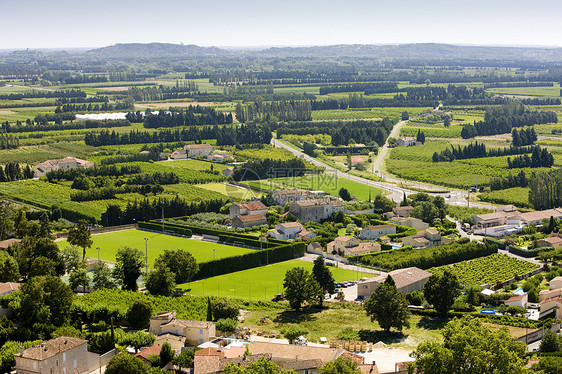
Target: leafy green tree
column 43, row 266
column 441, row 291
column 180, row 262
column 261, row 366
column 294, row 332
column 471, row 347
column 383, row 204
column 45, row 300
column 550, row 342
column 127, row 268
column 344, row 194
column 300, row 286
column 79, row 277
column 71, row 257
column 102, row 276
column 227, row 325
column 185, row 359
column 7, row 359
column 166, row 354
column 388, row 306
column 549, row 365
column 160, row 281
column 447, row 121
column 137, row 339
column 139, row 314
column 341, row 366
column 323, row 276
column 9, row 268
column 405, row 116
column 223, row 308
column 80, row 235
column 124, row 363
column 100, row 342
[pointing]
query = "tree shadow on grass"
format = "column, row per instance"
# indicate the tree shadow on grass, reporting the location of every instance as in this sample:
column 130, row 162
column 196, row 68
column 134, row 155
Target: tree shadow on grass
column 291, row 316
column 428, row 323
column 386, row 337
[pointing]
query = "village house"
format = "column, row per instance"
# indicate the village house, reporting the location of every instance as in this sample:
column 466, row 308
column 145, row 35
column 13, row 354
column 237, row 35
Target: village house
column 508, row 218
column 315, row 209
column 414, row 223
column 146, row 352
column 220, row 156
column 555, row 283
column 248, row 214
column 59, row 355
column 554, row 242
column 551, row 307
column 195, row 332
column 290, row 231
column 375, row 232
column 192, row 150
column 348, row 246
column 518, row 301
column 423, row 239
column 66, row 163
column 5, row 244
column 407, row 142
column 356, row 160
column 249, row 221
column 407, row 280
column 282, row 197
column 342, row 242
column 228, row 171
column 247, row 209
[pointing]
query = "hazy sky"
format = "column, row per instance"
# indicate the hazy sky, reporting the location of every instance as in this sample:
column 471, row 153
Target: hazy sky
column 78, row 23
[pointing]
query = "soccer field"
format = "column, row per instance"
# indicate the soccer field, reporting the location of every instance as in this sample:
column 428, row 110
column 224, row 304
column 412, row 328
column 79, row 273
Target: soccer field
column 260, row 283
column 157, row 243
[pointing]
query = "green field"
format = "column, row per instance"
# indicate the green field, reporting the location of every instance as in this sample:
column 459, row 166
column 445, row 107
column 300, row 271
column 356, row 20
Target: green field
column 260, row 283
column 324, row 182
column 518, row 196
column 157, row 243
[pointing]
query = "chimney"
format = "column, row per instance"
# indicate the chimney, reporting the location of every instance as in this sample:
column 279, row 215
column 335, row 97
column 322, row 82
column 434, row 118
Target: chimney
column 21, row 350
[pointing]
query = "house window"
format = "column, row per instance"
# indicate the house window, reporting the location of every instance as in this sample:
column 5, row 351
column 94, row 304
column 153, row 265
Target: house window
column 201, row 332
column 34, row 365
column 64, row 356
column 75, row 364
column 201, row 341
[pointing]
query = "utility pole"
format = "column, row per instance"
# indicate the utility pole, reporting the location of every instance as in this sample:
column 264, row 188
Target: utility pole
column 98, row 248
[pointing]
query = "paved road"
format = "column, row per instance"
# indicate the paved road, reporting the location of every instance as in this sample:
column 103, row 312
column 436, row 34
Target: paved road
column 396, row 193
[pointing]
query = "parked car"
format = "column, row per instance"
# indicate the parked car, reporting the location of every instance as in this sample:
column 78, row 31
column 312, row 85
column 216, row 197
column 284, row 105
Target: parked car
column 278, row 297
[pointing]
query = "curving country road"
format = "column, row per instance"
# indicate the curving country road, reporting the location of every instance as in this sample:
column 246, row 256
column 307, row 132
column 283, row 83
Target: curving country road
column 454, row 197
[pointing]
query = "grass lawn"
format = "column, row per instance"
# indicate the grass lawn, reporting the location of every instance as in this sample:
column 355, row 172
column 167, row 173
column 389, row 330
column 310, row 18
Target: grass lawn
column 110, row 242
column 260, row 283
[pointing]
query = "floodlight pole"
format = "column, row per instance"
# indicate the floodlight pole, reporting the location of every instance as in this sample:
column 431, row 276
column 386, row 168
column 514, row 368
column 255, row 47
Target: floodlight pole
column 98, row 248
column 146, row 253
column 162, row 217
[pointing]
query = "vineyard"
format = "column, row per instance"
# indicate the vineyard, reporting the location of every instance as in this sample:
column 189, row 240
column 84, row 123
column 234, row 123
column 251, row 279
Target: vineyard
column 518, row 196
column 102, row 304
column 187, row 170
column 488, row 270
column 432, row 132
column 262, row 154
column 426, row 258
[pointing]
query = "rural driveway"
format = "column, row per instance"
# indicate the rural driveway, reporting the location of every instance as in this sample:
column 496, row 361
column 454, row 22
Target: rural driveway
column 396, row 192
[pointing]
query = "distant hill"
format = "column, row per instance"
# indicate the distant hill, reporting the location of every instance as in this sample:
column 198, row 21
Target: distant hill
column 388, row 51
column 423, row 50
column 155, row 50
